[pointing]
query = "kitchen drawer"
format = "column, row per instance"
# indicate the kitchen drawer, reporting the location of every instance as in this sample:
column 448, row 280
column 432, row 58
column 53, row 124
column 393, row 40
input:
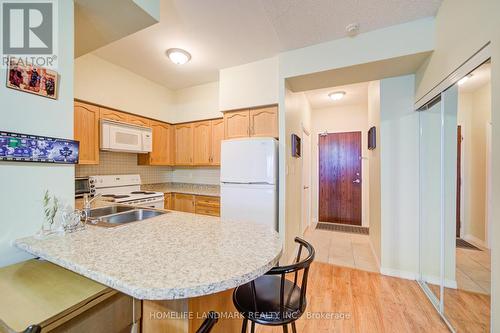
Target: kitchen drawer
column 208, row 205
column 208, row 211
column 207, row 201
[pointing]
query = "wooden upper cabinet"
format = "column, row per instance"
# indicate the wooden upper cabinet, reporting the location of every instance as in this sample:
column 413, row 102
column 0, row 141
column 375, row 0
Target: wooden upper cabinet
column 184, row 144
column 86, row 130
column 236, row 124
column 137, row 120
column 202, row 143
column 264, row 121
column 114, row 115
column 162, row 153
column 254, row 122
column 217, row 137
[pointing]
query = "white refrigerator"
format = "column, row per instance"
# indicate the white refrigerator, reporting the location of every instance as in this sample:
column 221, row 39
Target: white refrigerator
column 249, row 180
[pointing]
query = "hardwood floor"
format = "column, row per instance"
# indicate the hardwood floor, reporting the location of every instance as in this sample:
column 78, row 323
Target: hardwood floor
column 368, row 302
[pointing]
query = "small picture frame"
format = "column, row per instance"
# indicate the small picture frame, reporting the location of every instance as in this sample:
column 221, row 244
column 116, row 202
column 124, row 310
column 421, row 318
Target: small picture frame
column 372, row 138
column 296, row 147
column 32, row 79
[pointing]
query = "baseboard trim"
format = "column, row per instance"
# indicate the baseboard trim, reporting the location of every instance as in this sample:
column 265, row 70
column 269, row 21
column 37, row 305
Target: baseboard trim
column 399, row 274
column 476, row 241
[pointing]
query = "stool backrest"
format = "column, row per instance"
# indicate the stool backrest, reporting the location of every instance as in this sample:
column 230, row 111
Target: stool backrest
column 298, row 266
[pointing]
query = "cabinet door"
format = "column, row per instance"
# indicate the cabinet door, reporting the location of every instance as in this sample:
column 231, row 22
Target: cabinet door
column 162, row 144
column 114, row 115
column 86, row 130
column 264, row 121
column 136, row 120
column 202, row 143
column 184, row 203
column 217, row 137
column 184, row 144
column 236, row 124
column 168, row 201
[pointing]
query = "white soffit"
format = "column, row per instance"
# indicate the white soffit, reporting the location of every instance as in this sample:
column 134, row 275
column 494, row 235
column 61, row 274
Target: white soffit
column 355, row 94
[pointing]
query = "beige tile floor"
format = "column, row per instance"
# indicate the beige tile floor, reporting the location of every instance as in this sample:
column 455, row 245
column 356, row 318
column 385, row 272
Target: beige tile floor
column 342, row 249
column 473, row 270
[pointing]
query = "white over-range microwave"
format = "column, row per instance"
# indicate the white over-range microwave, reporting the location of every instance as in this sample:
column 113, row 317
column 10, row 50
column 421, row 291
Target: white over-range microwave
column 122, row 137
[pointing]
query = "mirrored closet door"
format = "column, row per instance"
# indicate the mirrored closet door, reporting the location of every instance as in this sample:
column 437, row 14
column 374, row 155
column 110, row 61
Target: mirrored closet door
column 454, row 162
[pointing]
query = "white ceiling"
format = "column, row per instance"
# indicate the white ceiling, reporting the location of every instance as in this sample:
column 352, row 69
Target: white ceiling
column 225, row 33
column 480, row 76
column 355, row 94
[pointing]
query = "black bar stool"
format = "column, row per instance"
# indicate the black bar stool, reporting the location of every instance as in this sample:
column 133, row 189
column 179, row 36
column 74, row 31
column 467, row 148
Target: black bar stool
column 272, row 299
column 209, row 323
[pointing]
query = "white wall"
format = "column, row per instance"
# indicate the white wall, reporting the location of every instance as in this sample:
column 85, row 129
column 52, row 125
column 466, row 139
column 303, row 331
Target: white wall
column 23, row 184
column 298, row 115
column 374, row 168
column 196, row 103
column 349, row 118
column 248, row 85
column 104, row 83
column 399, row 156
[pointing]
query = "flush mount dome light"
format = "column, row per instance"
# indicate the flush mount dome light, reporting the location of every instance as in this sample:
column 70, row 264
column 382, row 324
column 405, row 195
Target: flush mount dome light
column 337, row 95
column 464, row 79
column 178, row 56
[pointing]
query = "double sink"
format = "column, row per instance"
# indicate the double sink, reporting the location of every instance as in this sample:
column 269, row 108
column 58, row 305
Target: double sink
column 113, row 216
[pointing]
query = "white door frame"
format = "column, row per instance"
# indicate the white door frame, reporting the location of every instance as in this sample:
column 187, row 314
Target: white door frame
column 306, row 218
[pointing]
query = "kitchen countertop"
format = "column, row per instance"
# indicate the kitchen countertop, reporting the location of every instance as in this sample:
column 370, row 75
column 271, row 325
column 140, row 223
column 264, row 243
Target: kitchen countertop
column 172, row 256
column 184, row 188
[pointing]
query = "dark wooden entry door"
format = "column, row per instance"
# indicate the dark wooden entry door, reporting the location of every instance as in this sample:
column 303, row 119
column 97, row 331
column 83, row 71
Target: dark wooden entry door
column 340, row 178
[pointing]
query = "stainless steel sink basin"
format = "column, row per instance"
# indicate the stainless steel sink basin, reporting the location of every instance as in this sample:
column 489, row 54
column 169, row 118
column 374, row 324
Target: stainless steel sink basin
column 133, row 215
column 98, row 212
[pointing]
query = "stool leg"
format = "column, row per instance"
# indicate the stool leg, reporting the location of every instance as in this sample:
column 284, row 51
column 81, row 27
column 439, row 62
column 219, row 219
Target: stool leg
column 252, row 327
column 244, row 325
column 294, row 329
column 285, row 329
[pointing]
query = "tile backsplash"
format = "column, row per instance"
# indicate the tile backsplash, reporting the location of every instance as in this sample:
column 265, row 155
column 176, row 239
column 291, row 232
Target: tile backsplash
column 112, row 163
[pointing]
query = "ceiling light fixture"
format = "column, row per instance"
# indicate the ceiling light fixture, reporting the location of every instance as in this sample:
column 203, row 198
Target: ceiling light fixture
column 464, row 79
column 178, row 56
column 337, row 95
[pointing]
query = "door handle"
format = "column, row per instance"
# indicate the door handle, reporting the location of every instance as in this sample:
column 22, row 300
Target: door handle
column 356, row 181
column 306, row 187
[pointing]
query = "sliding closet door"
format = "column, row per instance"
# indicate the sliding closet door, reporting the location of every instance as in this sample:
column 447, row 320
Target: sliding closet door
column 450, row 110
column 431, row 189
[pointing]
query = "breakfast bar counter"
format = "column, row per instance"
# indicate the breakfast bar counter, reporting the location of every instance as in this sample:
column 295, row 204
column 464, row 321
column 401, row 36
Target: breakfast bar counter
column 175, row 256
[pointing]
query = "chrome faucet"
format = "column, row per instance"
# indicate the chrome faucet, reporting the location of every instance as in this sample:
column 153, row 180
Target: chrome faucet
column 87, row 205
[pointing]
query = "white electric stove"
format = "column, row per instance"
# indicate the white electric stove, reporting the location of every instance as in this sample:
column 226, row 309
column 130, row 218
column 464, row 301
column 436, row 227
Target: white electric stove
column 126, row 189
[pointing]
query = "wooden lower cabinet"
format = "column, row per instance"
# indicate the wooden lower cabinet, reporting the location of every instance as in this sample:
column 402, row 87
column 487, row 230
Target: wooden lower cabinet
column 168, row 201
column 184, row 203
column 207, row 205
column 189, row 203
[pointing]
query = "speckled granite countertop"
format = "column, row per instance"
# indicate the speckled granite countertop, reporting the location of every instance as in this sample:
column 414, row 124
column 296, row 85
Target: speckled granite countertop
column 172, row 256
column 197, row 189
